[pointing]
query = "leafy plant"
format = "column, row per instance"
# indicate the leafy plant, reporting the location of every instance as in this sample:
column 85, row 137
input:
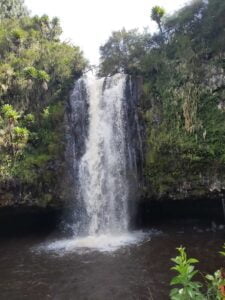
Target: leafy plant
column 216, row 285
column 188, row 289
column 9, row 113
column 223, row 251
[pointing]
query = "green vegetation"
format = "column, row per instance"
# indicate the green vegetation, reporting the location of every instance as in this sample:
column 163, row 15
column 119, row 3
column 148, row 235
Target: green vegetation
column 12, row 9
column 183, row 100
column 186, row 271
column 36, row 75
column 122, row 52
column 188, row 288
column 157, row 15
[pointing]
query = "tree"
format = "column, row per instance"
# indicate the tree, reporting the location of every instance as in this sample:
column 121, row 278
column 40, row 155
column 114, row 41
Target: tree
column 156, row 15
column 123, row 52
column 50, row 28
column 12, row 9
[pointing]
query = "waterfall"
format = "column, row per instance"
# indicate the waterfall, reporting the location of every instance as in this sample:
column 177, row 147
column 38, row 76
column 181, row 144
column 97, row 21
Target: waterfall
column 105, row 133
column 104, row 157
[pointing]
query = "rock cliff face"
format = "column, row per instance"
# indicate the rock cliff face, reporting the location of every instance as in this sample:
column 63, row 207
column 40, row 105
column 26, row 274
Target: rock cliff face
column 185, row 139
column 13, row 193
column 46, row 181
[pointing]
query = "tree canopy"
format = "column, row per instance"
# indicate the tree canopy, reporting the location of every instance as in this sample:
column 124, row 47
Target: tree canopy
column 12, row 9
column 123, row 51
column 156, row 15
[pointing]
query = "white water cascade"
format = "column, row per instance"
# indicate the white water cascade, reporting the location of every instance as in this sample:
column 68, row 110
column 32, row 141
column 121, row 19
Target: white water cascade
column 104, row 150
column 102, row 169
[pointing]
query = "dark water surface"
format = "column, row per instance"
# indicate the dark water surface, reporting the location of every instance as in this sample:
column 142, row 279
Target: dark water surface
column 139, row 271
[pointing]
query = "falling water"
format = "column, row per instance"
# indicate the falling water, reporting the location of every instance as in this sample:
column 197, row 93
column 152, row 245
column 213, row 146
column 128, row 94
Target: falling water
column 102, row 169
column 104, row 151
column 104, row 158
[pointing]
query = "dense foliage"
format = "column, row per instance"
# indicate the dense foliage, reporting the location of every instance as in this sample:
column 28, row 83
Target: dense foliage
column 12, row 9
column 123, row 51
column 183, row 106
column 36, row 73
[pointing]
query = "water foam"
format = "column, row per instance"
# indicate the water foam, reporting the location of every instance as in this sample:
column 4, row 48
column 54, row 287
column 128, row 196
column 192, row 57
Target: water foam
column 103, row 243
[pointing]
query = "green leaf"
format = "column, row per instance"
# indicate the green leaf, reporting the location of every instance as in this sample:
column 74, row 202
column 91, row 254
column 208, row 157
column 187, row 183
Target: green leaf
column 209, row 277
column 192, row 261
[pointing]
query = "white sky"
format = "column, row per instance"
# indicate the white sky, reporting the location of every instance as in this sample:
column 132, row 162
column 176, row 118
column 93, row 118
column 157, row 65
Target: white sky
column 89, row 23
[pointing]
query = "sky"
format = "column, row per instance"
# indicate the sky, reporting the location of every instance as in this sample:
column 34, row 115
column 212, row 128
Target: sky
column 89, row 23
